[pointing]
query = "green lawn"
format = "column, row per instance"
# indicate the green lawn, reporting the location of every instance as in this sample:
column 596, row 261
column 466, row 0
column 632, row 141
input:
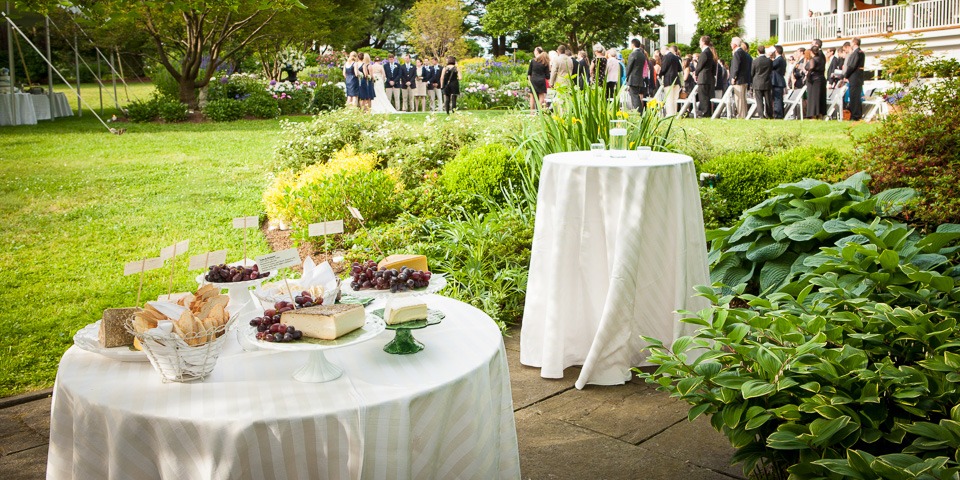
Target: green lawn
column 76, row 203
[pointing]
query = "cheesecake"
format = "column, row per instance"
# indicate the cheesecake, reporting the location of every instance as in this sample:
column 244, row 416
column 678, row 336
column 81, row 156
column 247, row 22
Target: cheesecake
column 326, row 322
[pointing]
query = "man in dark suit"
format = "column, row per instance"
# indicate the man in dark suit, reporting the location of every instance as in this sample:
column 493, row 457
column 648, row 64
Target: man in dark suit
column 670, row 68
column 635, row 63
column 762, row 87
column 391, row 74
column 853, row 73
column 706, row 73
column 408, row 83
column 740, row 66
column 435, row 95
column 778, row 80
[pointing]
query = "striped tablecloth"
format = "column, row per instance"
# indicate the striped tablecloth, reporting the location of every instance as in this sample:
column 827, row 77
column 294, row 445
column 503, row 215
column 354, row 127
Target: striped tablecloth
column 618, row 246
column 445, row 412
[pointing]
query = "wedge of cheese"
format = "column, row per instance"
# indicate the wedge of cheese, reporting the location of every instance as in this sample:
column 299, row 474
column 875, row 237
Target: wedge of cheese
column 416, row 262
column 112, row 332
column 403, row 310
column 326, row 322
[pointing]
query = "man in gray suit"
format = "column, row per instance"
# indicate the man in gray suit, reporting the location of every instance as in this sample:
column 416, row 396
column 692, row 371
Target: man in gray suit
column 739, row 76
column 635, row 81
column 762, row 87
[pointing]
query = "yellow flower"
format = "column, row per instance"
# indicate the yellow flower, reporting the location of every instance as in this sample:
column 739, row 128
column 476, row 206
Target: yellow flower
column 632, row 144
column 653, row 104
column 576, row 120
column 622, row 114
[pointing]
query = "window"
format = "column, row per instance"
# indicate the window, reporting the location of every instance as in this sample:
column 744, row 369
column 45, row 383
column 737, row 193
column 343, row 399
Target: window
column 774, row 27
column 672, row 33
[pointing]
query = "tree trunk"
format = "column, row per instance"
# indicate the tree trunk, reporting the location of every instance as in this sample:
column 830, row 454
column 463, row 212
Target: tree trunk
column 188, row 92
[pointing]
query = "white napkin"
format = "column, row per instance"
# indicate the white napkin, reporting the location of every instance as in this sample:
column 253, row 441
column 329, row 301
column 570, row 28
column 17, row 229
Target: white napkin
column 168, row 309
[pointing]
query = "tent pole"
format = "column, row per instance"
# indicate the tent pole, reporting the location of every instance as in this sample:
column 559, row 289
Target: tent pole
column 15, row 111
column 76, row 61
column 116, row 101
column 99, row 79
column 49, row 68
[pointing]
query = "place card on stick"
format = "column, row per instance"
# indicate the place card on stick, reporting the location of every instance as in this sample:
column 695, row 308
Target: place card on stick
column 323, row 229
column 246, row 223
column 173, row 251
column 141, row 266
column 356, row 214
column 205, row 260
column 277, row 260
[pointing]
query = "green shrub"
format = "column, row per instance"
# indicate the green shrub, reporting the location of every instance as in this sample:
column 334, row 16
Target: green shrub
column 821, row 163
column 261, row 105
column 165, row 84
column 224, row 110
column 714, row 207
column 770, row 245
column 141, row 111
column 171, row 109
column 481, row 173
column 296, row 102
column 238, row 86
column 854, row 375
column 429, row 199
column 306, row 143
column 328, row 97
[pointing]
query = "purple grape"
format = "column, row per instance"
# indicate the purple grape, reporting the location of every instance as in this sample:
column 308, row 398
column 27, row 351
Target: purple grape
column 278, row 337
column 287, row 337
column 297, row 335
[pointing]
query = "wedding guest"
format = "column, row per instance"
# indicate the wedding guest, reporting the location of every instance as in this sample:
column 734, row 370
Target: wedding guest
column 450, row 84
column 636, row 81
column 706, row 73
column 778, row 80
column 613, row 73
column 651, row 75
column 419, row 89
column 350, row 79
column 426, row 81
column 408, row 83
column 391, row 72
column 853, row 73
column 670, row 71
column 723, row 76
column 581, row 70
column 740, row 65
column 437, row 98
column 362, row 71
column 799, row 72
column 562, row 68
column 815, row 83
column 762, row 71
column 537, row 74
column 598, row 71
column 689, row 79
column 835, row 65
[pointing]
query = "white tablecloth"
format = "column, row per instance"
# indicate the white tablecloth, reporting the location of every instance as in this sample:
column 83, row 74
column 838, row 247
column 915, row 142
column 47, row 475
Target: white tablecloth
column 618, row 246
column 445, row 412
column 45, row 109
column 23, row 114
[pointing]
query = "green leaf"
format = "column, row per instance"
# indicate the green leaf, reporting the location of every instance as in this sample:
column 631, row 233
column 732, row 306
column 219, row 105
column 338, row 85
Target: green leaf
column 757, row 388
column 889, row 260
column 688, row 385
column 774, row 273
column 840, row 467
column 823, row 430
column 858, row 182
column 697, row 411
column 732, row 413
column 758, row 421
column 892, row 201
column 804, row 229
column 765, row 249
column 782, row 440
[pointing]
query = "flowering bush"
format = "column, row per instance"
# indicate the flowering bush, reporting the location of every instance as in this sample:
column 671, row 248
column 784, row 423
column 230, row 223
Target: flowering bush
column 292, row 59
column 493, row 73
column 237, row 86
column 480, row 96
column 292, row 97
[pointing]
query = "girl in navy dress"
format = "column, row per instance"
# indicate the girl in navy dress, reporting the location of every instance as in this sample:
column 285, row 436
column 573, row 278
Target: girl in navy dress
column 365, row 93
column 350, row 79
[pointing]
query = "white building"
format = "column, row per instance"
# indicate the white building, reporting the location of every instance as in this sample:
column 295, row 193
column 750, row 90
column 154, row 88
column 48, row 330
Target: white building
column 796, row 22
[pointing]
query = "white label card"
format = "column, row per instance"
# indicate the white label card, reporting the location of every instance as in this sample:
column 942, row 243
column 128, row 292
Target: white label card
column 246, row 222
column 277, row 260
column 178, row 249
column 204, row 260
column 142, row 265
column 355, row 213
column 325, row 228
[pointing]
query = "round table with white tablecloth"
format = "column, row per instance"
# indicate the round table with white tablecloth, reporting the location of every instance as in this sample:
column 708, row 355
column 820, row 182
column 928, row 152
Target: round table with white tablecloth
column 17, row 109
column 618, row 247
column 445, row 412
column 48, row 107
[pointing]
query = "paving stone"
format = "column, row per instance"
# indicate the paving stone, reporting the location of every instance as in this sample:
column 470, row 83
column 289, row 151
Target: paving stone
column 26, row 465
column 529, row 387
column 632, row 412
column 35, row 415
column 699, row 443
column 553, row 449
column 20, row 440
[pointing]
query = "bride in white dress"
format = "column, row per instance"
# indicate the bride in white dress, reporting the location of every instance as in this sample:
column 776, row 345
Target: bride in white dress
column 381, row 103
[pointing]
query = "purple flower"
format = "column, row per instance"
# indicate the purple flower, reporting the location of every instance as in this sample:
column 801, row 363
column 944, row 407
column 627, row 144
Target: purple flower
column 273, row 82
column 225, row 80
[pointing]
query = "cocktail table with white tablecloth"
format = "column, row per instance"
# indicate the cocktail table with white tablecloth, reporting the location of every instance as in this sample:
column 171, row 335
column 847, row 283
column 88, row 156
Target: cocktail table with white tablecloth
column 445, row 412
column 618, row 247
column 47, row 107
column 17, row 109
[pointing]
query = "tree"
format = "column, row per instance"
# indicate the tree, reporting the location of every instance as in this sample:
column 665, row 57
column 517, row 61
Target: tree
column 192, row 37
column 578, row 23
column 719, row 20
column 436, row 27
column 385, row 24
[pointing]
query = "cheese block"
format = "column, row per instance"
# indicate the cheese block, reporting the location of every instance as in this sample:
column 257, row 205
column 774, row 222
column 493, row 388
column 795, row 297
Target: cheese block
column 416, row 262
column 326, row 322
column 403, row 310
column 112, row 332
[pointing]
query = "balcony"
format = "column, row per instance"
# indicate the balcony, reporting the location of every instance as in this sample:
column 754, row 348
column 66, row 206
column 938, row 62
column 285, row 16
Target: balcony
column 925, row 15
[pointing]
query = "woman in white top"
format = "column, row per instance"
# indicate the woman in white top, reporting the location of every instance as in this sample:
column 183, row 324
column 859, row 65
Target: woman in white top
column 613, row 73
column 380, row 103
column 420, row 92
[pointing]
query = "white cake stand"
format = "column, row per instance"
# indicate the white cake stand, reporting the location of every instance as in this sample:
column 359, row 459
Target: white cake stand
column 318, row 369
column 239, row 292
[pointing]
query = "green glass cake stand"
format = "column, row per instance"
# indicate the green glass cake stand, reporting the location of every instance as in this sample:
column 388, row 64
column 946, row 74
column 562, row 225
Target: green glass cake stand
column 403, row 342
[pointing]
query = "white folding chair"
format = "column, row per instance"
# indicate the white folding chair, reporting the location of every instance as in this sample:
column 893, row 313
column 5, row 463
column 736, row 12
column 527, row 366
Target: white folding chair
column 688, row 103
column 793, row 104
column 871, row 104
column 835, row 102
column 723, row 103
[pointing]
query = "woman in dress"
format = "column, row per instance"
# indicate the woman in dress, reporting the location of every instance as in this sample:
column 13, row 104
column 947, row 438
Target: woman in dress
column 350, row 79
column 598, row 71
column 612, row 74
column 365, row 91
column 689, row 82
column 381, row 102
column 450, row 85
column 420, row 91
column 581, row 70
column 537, row 74
column 816, row 83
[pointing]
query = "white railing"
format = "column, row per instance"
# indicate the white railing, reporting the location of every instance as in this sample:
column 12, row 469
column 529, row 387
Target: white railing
column 875, row 21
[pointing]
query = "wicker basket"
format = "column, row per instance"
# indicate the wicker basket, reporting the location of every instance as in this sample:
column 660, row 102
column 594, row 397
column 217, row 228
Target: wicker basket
column 175, row 359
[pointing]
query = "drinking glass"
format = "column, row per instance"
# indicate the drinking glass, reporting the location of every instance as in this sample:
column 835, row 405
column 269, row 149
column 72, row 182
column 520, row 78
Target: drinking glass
column 618, row 138
column 598, row 148
column 643, row 152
